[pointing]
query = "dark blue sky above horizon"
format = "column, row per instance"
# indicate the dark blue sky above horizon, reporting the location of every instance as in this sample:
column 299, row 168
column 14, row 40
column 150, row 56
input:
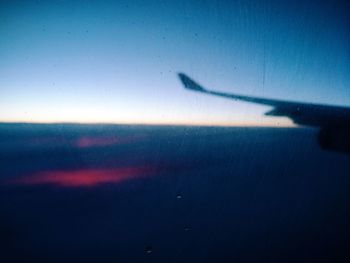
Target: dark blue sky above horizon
column 116, row 61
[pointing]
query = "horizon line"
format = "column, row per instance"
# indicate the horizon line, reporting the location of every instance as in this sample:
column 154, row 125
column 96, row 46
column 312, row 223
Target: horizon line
column 279, row 125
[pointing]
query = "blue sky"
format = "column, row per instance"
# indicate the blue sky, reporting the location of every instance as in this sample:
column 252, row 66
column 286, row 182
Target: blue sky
column 116, row 61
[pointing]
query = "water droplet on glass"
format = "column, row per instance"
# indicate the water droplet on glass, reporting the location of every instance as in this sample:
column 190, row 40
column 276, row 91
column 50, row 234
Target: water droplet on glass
column 148, row 249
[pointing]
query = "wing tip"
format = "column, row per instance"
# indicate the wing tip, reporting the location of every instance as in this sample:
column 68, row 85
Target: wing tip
column 189, row 83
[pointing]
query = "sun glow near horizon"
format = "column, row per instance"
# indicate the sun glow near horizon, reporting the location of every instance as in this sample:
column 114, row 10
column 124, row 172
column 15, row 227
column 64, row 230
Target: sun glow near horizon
column 93, row 116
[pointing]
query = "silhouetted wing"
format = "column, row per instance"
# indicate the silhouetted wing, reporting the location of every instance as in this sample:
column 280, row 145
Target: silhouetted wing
column 301, row 113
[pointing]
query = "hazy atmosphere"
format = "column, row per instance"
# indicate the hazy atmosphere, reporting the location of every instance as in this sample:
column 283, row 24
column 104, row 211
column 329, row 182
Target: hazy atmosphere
column 175, row 131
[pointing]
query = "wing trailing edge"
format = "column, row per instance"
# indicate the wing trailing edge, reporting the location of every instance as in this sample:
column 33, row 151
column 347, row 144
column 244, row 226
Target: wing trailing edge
column 307, row 114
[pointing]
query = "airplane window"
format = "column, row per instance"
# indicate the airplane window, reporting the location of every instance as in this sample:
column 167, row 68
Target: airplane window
column 175, row 131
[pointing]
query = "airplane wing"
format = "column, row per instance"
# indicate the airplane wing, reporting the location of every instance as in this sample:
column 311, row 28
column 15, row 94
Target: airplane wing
column 300, row 113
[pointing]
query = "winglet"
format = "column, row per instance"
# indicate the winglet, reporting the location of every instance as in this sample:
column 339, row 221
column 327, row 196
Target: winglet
column 189, row 83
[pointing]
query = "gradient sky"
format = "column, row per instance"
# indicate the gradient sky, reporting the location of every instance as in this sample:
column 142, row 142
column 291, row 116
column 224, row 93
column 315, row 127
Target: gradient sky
column 116, row 61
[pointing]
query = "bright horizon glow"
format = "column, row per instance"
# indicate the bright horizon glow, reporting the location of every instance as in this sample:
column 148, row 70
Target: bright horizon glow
column 96, row 118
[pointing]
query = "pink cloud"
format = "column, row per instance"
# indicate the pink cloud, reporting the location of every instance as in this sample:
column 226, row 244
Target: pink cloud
column 85, row 177
column 89, row 141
